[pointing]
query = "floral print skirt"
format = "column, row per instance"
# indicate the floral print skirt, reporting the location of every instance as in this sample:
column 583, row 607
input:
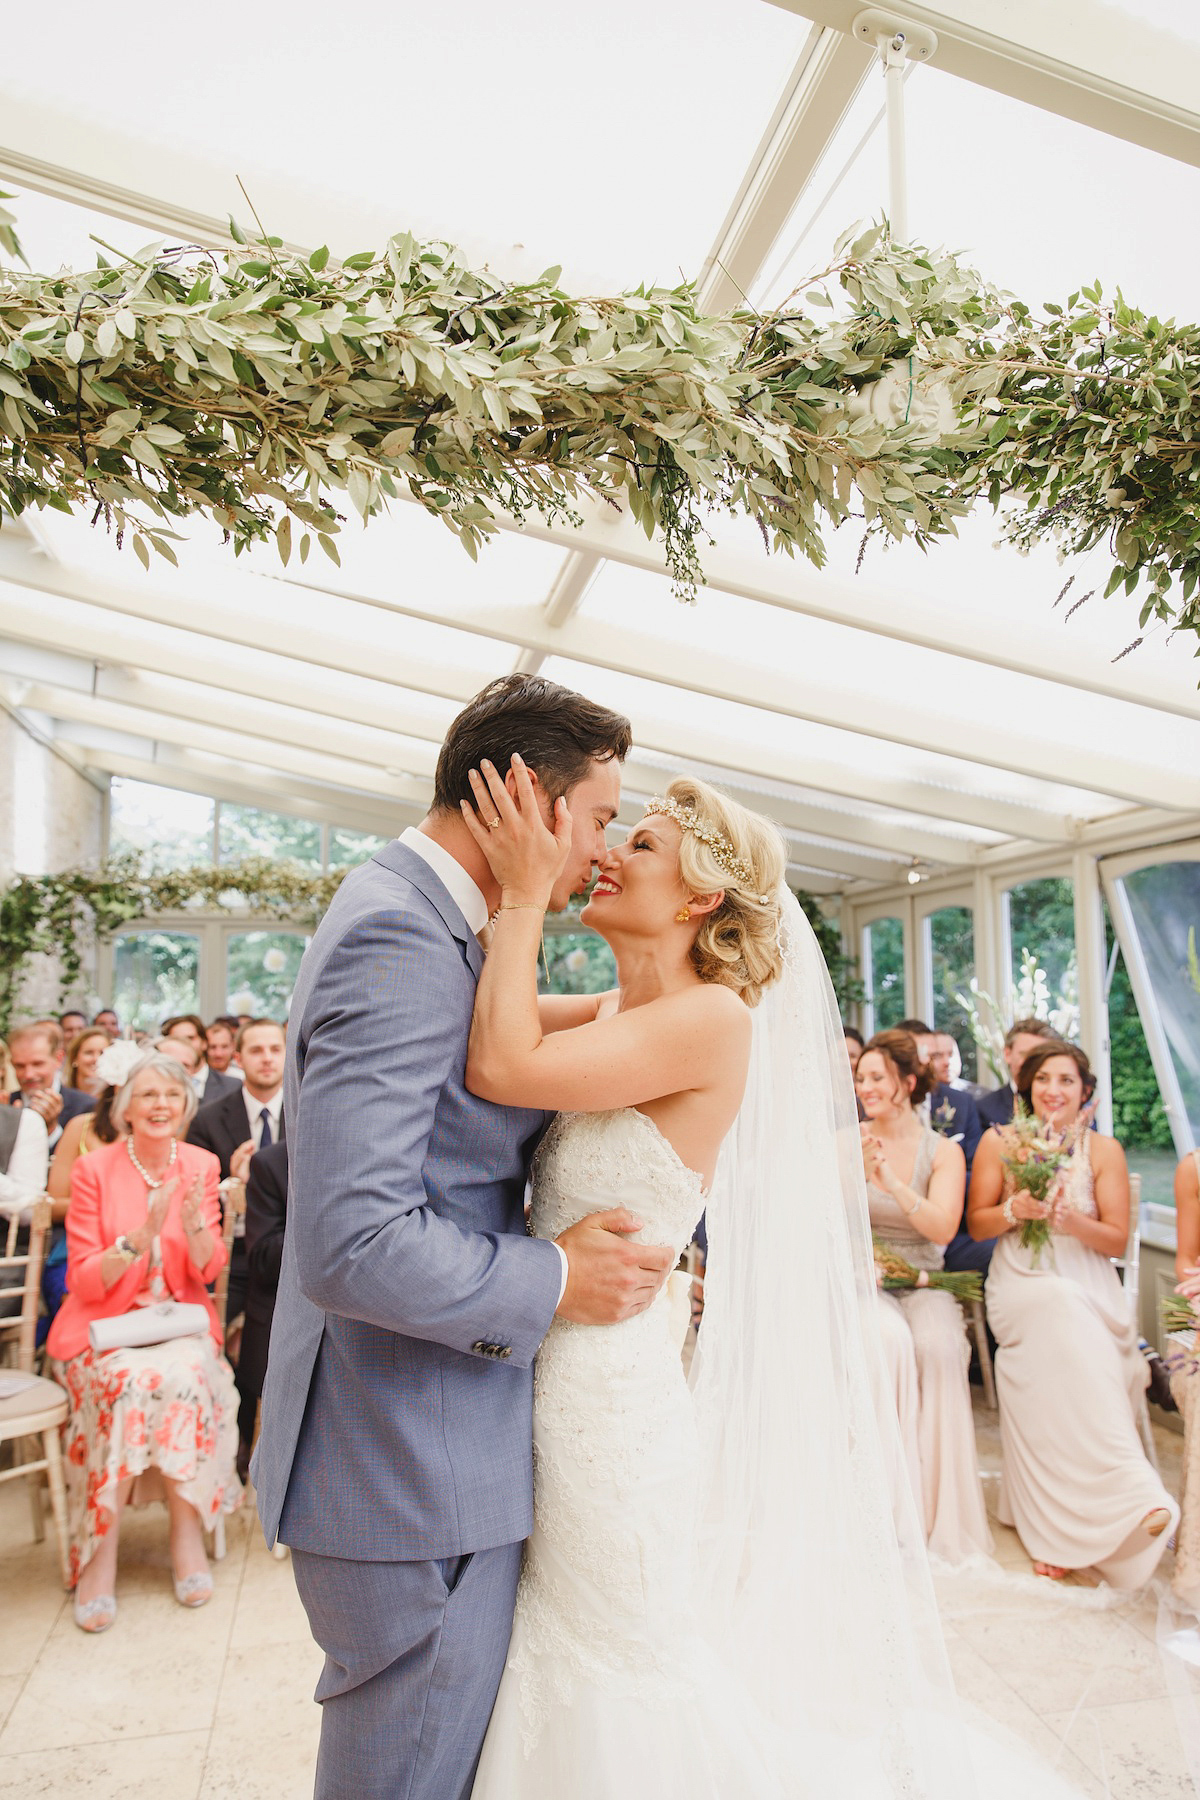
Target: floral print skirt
column 168, row 1407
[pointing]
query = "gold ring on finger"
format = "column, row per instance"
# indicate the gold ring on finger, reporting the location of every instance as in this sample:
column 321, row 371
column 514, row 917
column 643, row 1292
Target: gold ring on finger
column 493, row 824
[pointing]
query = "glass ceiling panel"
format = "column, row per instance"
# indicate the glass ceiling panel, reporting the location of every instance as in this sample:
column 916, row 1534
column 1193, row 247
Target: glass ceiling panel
column 354, row 632
column 850, row 667
column 794, row 740
column 558, row 135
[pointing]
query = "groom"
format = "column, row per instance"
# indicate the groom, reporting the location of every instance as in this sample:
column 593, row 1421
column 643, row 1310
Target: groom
column 395, row 1456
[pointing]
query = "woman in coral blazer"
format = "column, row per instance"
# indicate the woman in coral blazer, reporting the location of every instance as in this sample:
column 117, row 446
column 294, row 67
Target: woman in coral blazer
column 144, row 1226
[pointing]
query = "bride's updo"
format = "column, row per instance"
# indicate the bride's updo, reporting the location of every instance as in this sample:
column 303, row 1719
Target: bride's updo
column 737, row 946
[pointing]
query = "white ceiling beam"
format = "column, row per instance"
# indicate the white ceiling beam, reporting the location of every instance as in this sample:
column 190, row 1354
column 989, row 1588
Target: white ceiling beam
column 827, row 76
column 183, row 652
column 1056, row 653
column 249, row 787
column 124, row 706
column 678, row 664
column 260, row 612
column 90, row 714
column 1087, row 61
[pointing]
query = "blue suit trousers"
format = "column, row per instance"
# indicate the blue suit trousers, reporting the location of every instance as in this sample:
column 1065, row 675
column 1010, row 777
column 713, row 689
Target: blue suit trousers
column 414, row 1652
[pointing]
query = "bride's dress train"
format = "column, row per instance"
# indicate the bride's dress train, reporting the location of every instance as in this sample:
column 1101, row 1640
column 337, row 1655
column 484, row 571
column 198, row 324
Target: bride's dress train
column 611, row 1691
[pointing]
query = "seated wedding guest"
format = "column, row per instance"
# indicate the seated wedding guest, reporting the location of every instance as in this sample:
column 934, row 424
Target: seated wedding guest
column 71, row 1024
column 83, row 1053
column 247, row 1119
column 143, row 1226
column 108, row 1018
column 209, row 1083
column 86, row 1131
column 37, row 1058
column 23, row 1161
column 1185, row 1387
column 266, row 1217
column 219, row 1038
column 1070, row 1377
column 915, row 1181
column 854, row 1045
column 1022, row 1036
column 952, row 1113
column 945, row 1059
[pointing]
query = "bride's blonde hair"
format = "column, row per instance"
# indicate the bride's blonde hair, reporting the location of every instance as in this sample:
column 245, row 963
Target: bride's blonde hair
column 737, row 946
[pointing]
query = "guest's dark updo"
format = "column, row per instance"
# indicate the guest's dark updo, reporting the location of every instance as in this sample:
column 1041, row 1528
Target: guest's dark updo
column 899, row 1051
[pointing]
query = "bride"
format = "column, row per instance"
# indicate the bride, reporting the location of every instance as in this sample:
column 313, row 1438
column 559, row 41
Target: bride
column 719, row 1598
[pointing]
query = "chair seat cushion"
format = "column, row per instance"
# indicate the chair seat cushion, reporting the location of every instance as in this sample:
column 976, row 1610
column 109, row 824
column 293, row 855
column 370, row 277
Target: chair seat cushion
column 35, row 1407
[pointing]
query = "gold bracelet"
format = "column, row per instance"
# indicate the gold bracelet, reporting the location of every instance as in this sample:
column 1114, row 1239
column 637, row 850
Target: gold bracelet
column 520, row 906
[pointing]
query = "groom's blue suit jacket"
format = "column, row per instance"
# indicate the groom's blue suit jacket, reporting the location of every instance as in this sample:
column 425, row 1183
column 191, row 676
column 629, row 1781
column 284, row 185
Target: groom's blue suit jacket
column 396, row 1418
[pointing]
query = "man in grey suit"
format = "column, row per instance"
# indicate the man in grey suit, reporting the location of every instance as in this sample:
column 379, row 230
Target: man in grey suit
column 395, row 1456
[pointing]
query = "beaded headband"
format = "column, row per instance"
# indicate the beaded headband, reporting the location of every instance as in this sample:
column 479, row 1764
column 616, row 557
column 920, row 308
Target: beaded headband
column 715, row 842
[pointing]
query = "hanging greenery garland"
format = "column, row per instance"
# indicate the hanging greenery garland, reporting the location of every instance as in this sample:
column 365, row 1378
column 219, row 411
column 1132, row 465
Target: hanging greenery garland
column 58, row 915
column 259, row 387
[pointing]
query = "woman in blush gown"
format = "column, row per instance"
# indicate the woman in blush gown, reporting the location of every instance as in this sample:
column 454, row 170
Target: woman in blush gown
column 916, row 1181
column 714, row 1601
column 1069, row 1373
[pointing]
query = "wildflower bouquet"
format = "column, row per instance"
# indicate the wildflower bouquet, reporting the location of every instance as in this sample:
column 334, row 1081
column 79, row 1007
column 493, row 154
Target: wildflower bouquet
column 895, row 1275
column 1033, row 1152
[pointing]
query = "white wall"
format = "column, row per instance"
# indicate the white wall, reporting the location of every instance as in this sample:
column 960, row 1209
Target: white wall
column 51, row 817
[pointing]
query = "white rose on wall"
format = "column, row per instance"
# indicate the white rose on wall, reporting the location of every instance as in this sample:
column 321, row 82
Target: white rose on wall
column 275, row 961
column 575, row 961
column 241, row 1003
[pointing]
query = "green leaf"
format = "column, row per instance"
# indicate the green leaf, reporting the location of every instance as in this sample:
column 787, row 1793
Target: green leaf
column 319, row 258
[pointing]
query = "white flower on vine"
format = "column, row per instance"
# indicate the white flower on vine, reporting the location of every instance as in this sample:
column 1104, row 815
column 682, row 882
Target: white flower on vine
column 275, row 961
column 242, row 1003
column 575, row 961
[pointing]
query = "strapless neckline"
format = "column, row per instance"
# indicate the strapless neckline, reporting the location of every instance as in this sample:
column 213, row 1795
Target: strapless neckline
column 668, row 1146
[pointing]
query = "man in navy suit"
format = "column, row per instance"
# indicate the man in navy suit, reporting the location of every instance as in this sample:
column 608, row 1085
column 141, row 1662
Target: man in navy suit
column 953, row 1114
column 1022, row 1037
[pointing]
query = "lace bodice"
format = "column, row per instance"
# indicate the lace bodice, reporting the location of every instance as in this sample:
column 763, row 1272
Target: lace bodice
column 605, row 1589
column 589, row 1162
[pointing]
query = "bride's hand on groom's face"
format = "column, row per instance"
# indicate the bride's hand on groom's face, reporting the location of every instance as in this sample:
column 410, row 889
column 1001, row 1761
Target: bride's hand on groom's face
column 609, row 1278
column 524, row 853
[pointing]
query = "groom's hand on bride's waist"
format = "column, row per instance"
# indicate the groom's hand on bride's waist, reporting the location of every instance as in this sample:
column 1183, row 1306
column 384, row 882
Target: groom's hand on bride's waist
column 608, row 1277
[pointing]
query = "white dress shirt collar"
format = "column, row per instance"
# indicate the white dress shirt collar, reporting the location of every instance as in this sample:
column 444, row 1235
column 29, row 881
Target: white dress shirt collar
column 453, row 877
column 254, row 1109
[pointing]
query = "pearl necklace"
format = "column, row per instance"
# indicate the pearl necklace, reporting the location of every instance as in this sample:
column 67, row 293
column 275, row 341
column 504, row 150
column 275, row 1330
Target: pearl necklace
column 151, row 1184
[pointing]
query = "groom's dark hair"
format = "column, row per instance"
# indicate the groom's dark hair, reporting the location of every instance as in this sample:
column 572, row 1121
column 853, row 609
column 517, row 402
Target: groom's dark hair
column 559, row 733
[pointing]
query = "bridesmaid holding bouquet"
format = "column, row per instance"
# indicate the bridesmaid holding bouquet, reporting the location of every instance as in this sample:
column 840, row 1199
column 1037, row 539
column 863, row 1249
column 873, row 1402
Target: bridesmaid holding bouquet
column 1070, row 1376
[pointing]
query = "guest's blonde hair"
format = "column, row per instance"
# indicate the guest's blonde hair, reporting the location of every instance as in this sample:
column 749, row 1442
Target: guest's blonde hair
column 737, row 946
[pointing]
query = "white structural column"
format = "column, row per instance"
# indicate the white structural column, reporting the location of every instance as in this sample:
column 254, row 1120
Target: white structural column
column 1092, row 960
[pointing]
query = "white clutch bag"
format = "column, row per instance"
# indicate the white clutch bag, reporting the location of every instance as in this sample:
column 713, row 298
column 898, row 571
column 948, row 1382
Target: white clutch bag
column 148, row 1325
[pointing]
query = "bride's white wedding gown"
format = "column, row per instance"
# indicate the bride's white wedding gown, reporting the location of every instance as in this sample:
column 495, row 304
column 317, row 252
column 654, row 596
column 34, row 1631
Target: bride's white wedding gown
column 610, row 1691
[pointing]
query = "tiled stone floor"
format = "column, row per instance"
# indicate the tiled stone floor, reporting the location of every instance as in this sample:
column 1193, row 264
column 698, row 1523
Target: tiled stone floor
column 216, row 1704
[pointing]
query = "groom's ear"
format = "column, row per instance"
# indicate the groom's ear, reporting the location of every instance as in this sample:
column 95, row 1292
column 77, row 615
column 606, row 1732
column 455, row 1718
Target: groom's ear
column 510, row 782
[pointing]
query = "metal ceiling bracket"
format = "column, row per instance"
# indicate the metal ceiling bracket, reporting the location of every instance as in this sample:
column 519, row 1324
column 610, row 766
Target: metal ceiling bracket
column 880, row 22
column 898, row 41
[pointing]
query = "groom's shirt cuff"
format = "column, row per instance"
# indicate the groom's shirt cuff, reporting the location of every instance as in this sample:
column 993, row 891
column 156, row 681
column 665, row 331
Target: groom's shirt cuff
column 566, row 1269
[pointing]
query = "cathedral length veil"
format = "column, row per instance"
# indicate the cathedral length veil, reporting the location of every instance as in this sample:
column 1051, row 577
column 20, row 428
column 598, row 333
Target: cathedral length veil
column 814, row 1578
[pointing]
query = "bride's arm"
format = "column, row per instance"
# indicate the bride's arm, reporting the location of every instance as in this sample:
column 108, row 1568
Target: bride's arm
column 681, row 1042
column 562, row 1012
